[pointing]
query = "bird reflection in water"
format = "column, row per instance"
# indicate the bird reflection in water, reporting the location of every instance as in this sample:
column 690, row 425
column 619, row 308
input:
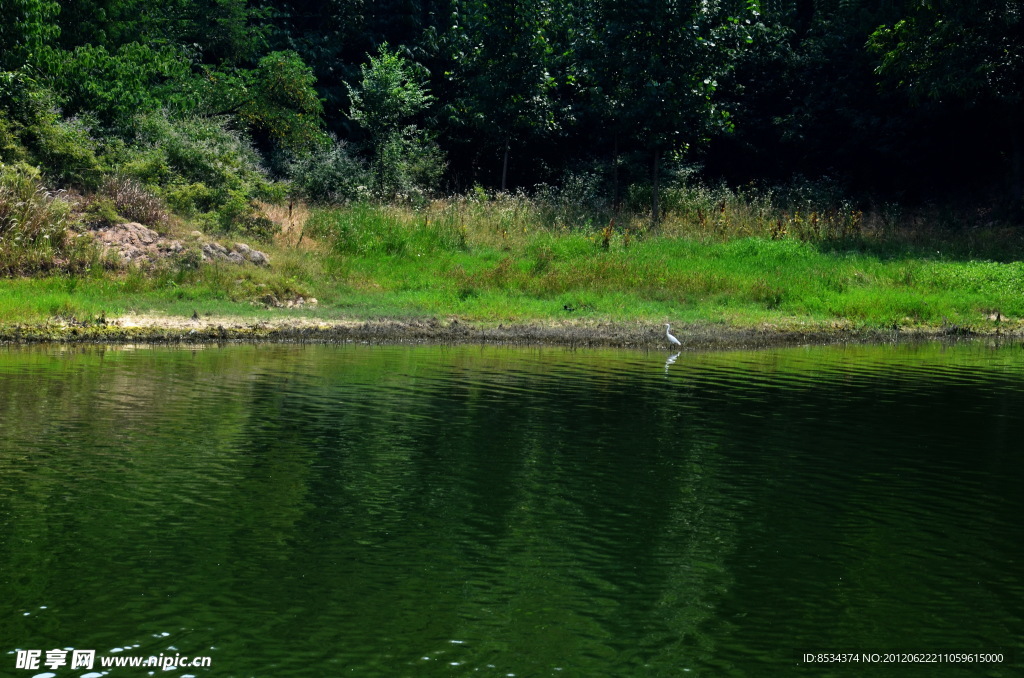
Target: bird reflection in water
column 671, row 359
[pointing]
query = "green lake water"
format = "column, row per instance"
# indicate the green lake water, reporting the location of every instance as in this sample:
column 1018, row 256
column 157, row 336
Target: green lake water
column 438, row 511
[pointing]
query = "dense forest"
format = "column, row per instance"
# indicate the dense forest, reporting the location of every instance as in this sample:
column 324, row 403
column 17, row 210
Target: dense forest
column 212, row 103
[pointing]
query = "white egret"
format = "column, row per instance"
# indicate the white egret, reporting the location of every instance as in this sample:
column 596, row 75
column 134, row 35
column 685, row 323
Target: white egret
column 672, row 340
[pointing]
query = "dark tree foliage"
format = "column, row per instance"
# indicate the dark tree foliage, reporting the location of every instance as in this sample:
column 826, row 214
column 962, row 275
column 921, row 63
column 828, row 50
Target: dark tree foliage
column 501, row 74
column 26, row 26
column 806, row 101
column 893, row 99
column 830, row 88
column 968, row 53
column 231, row 31
column 336, row 37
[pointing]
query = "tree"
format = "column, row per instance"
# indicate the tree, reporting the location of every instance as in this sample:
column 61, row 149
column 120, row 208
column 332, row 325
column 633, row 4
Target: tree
column 502, row 72
column 390, row 93
column 117, row 85
column 218, row 31
column 664, row 60
column 330, row 37
column 334, row 36
column 26, row 27
column 969, row 51
column 276, row 100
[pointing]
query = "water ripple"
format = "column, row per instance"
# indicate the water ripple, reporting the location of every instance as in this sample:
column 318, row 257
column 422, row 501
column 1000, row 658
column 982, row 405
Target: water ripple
column 386, row 511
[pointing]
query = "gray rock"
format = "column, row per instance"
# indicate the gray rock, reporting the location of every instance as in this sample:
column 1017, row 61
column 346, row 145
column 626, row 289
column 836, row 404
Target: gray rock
column 258, row 258
column 212, row 250
column 137, row 244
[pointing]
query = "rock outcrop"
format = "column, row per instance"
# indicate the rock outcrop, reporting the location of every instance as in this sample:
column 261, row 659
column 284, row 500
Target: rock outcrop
column 136, row 244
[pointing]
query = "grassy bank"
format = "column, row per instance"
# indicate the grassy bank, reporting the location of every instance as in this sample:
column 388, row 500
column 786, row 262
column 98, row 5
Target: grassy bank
column 509, row 260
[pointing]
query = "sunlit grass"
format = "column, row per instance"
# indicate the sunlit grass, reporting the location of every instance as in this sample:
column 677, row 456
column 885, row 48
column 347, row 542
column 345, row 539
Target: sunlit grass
column 511, row 260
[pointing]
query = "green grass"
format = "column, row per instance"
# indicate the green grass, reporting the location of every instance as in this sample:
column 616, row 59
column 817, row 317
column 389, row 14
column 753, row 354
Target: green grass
column 748, row 281
column 214, row 290
column 505, row 262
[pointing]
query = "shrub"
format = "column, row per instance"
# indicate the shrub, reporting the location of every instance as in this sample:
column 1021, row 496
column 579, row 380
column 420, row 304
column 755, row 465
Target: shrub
column 204, row 169
column 189, row 258
column 66, row 151
column 32, row 130
column 421, row 166
column 191, row 199
column 329, row 174
column 197, row 150
column 237, row 213
column 11, row 148
column 100, row 212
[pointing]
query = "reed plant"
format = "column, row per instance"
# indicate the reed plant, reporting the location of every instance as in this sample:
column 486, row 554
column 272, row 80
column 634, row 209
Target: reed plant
column 513, row 221
column 34, row 233
column 135, row 202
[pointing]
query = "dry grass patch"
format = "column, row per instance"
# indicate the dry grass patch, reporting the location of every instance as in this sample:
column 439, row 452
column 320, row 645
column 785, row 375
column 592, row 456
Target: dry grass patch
column 290, row 219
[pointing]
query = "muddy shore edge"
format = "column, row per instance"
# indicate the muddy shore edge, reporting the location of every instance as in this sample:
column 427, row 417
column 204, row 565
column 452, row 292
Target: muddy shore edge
column 176, row 330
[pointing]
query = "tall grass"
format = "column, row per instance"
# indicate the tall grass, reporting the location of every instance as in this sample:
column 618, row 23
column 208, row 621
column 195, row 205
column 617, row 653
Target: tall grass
column 135, row 202
column 34, row 232
column 512, row 221
column 366, row 229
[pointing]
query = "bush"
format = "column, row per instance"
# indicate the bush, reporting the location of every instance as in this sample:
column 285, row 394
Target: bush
column 100, row 212
column 420, row 166
column 577, row 202
column 195, row 150
column 11, row 148
column 32, row 130
column 190, row 258
column 329, row 174
column 66, row 151
column 203, row 168
column 238, row 214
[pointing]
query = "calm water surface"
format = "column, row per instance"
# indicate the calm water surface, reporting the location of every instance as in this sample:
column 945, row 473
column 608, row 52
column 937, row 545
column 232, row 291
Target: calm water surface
column 395, row 511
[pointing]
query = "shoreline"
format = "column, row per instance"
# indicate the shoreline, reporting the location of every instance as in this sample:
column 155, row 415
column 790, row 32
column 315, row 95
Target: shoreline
column 398, row 330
